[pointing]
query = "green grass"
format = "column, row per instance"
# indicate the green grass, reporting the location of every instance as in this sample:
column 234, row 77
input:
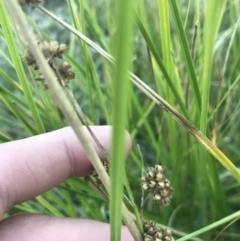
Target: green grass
column 206, row 191
column 120, row 102
column 17, row 63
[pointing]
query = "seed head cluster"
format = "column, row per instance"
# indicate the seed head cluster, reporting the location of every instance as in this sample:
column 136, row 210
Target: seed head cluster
column 158, row 185
column 52, row 51
column 153, row 233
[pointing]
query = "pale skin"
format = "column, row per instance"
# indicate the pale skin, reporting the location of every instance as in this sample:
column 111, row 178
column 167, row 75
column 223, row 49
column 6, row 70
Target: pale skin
column 32, row 166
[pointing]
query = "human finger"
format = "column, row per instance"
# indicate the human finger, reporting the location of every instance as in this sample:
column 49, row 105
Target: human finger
column 34, row 165
column 29, row 227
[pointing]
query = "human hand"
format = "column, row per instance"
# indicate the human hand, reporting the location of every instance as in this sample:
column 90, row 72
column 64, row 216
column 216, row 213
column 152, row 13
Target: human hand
column 34, row 165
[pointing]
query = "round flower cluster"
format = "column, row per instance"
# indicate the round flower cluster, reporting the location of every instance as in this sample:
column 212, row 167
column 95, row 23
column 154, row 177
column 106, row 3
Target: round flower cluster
column 158, row 185
column 52, row 50
column 153, row 233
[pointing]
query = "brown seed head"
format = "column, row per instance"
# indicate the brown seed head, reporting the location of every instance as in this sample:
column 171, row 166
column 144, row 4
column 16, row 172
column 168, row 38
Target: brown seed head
column 151, row 184
column 159, row 168
column 150, row 175
column 159, row 177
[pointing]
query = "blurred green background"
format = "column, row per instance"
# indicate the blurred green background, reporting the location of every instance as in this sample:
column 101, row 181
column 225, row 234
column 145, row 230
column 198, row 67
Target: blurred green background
column 204, row 191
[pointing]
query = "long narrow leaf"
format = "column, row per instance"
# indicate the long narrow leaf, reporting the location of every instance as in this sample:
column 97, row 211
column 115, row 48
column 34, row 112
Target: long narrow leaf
column 160, row 63
column 123, row 48
column 16, row 59
column 186, row 52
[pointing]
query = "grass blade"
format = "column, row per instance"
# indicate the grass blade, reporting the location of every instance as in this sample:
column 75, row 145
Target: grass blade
column 186, row 52
column 16, row 59
column 18, row 113
column 121, row 90
column 211, row 226
column 214, row 13
column 160, row 63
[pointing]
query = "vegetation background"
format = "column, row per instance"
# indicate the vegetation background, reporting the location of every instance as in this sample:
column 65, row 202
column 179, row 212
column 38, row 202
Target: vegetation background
column 204, row 89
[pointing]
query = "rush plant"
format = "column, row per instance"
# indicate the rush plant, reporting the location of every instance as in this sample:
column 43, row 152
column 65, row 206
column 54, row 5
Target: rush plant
column 167, row 72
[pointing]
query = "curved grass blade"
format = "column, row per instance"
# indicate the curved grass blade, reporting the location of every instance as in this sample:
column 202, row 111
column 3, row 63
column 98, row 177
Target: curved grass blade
column 211, row 226
column 186, row 52
column 53, row 210
column 90, row 72
column 160, row 63
column 209, row 146
column 6, row 97
column 168, row 62
column 4, row 137
column 7, row 31
column 214, row 14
